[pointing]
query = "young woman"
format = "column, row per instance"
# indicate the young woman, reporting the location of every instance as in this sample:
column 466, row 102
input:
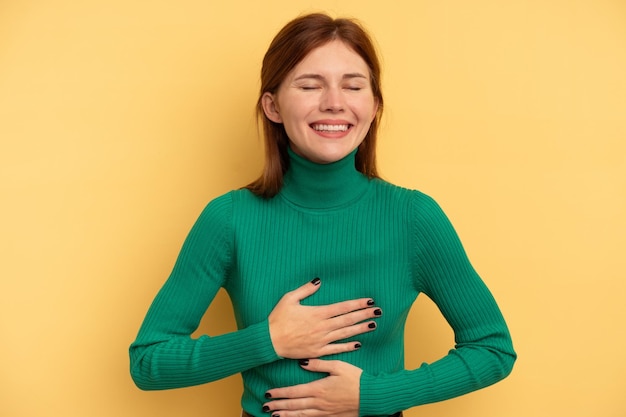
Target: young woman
column 322, row 259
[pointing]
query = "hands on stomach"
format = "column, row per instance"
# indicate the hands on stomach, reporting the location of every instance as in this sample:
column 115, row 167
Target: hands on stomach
column 305, row 332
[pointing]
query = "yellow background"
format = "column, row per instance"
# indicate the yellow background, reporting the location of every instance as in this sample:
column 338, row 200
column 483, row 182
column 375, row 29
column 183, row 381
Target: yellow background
column 120, row 120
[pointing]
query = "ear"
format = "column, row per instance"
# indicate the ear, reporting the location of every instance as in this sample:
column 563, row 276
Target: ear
column 269, row 102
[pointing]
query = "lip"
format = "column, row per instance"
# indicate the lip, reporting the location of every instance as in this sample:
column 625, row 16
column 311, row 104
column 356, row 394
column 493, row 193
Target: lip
column 332, row 122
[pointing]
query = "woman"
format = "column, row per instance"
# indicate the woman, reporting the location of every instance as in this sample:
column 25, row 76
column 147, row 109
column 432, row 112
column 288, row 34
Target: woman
column 319, row 212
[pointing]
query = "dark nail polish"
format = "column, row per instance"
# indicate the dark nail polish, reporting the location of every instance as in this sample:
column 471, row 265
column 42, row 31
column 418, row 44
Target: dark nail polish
column 266, row 409
column 303, row 362
column 316, row 281
column 357, row 346
column 378, row 312
column 268, row 395
column 370, row 302
column 275, row 415
column 372, row 325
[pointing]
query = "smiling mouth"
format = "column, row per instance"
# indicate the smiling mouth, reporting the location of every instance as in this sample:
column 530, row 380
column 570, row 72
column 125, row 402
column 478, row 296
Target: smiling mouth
column 331, row 128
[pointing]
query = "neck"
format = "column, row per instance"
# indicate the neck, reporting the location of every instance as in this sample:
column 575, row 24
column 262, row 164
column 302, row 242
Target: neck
column 312, row 185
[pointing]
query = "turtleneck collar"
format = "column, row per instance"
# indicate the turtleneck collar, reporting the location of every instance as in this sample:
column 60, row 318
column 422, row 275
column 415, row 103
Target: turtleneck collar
column 322, row 186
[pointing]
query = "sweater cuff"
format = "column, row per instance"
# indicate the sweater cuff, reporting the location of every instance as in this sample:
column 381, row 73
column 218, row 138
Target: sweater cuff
column 258, row 344
column 377, row 398
column 241, row 350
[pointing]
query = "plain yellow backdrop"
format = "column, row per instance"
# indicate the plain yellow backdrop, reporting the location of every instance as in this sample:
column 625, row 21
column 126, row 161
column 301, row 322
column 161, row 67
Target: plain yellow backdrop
column 120, row 120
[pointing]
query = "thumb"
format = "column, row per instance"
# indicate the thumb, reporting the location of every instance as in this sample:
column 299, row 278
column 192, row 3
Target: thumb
column 307, row 289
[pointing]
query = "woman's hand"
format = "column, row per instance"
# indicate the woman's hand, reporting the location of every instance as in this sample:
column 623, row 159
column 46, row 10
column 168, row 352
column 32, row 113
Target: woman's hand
column 299, row 331
column 336, row 395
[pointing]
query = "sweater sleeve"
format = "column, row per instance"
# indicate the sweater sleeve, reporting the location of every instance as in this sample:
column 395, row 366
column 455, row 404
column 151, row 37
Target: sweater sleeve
column 164, row 354
column 483, row 353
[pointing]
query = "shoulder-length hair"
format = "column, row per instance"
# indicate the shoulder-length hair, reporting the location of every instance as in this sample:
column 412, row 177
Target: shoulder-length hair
column 290, row 46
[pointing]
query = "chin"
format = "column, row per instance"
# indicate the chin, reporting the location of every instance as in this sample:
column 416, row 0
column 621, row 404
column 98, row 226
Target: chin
column 325, row 154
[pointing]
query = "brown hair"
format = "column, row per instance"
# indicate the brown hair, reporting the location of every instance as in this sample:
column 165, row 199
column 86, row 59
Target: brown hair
column 289, row 47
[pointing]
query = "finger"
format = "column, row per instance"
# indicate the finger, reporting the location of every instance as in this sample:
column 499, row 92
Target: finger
column 320, row 365
column 336, row 348
column 306, row 290
column 349, row 332
column 348, row 306
column 353, row 317
column 287, row 405
column 305, row 390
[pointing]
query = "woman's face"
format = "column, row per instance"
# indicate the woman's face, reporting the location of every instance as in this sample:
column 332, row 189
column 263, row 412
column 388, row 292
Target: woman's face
column 325, row 103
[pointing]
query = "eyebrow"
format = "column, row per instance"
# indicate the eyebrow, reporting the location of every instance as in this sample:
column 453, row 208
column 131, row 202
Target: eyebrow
column 320, row 77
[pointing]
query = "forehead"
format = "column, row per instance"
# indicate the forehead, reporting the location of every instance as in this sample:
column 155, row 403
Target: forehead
column 334, row 57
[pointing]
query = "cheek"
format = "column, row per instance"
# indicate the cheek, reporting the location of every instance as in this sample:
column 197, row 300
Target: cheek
column 294, row 122
column 375, row 109
column 366, row 109
column 294, row 112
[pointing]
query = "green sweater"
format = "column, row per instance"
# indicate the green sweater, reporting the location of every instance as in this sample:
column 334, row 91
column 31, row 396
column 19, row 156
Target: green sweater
column 363, row 238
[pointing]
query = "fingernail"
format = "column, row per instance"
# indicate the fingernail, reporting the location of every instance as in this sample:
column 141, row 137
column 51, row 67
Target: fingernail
column 303, row 362
column 268, row 395
column 316, row 281
column 378, row 312
column 275, row 415
column 357, row 345
column 372, row 325
column 266, row 409
column 370, row 302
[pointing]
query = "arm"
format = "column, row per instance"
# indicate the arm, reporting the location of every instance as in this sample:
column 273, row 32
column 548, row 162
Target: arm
column 164, row 355
column 483, row 352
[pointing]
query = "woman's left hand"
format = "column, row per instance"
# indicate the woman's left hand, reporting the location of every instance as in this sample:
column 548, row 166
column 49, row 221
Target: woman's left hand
column 336, row 395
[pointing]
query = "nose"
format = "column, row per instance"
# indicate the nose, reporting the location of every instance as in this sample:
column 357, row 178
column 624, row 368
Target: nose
column 332, row 100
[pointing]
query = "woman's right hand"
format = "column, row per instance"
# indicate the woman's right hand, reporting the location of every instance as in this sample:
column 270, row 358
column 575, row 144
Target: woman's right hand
column 304, row 332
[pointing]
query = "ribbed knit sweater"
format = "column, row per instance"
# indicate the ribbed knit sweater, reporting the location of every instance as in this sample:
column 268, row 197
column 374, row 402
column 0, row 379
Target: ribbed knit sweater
column 363, row 238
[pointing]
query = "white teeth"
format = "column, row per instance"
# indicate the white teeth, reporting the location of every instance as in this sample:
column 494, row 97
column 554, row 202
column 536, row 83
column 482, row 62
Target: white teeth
column 330, row 128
